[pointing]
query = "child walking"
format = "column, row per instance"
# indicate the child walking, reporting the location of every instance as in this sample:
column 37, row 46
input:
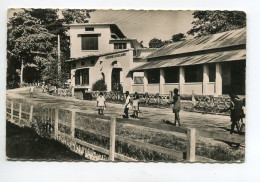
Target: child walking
column 31, row 90
column 127, row 104
column 235, row 112
column 135, row 105
column 176, row 106
column 101, row 103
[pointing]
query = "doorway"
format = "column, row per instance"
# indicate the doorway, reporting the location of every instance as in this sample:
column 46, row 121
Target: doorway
column 234, row 77
column 115, row 84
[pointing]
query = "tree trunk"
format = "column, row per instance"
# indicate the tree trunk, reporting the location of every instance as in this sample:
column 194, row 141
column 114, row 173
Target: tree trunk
column 21, row 74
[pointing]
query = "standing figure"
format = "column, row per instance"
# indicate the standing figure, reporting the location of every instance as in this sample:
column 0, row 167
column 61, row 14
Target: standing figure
column 127, row 104
column 101, row 103
column 243, row 118
column 176, row 106
column 235, row 112
column 31, row 90
column 136, row 105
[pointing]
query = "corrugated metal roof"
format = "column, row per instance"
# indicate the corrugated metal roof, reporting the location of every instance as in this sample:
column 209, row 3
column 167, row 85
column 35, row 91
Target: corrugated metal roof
column 233, row 55
column 220, row 40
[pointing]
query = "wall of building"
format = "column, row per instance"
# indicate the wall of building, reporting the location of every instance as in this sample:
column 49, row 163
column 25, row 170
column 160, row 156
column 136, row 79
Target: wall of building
column 153, row 88
column 103, row 40
column 195, row 87
column 169, row 87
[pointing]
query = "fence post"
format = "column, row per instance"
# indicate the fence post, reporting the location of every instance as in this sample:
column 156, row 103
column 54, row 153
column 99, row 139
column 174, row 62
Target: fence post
column 31, row 113
column 191, row 144
column 112, row 139
column 49, row 113
column 20, row 113
column 12, row 111
column 51, row 116
column 56, row 124
column 72, row 124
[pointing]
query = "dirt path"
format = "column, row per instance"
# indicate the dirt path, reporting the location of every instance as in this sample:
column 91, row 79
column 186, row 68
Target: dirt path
column 207, row 122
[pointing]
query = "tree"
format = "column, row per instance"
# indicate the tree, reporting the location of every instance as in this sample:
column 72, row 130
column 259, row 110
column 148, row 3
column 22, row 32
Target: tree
column 158, row 43
column 26, row 38
column 211, row 22
column 178, row 37
column 76, row 15
column 32, row 42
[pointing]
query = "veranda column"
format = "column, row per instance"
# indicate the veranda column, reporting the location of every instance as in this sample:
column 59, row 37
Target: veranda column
column 72, row 77
column 145, row 81
column 181, row 80
column 205, row 79
column 218, row 82
column 80, row 78
column 108, row 80
column 162, row 81
column 132, row 82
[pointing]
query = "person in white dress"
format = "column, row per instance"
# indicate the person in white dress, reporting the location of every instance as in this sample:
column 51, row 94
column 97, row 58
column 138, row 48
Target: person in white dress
column 101, row 103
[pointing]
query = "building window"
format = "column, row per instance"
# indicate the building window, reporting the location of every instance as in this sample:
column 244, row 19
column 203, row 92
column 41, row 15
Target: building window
column 92, row 62
column 82, row 63
column 212, row 72
column 89, row 42
column 138, row 80
column 119, row 45
column 89, row 29
column 85, row 77
column 194, row 73
column 153, row 76
column 171, row 75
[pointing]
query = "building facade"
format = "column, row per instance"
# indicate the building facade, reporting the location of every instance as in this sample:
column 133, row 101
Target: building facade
column 102, row 51
column 210, row 65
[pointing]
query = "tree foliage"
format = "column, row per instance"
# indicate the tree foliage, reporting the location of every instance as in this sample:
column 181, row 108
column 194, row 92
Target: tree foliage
column 157, row 43
column 99, row 85
column 211, row 22
column 178, row 37
column 32, row 42
column 76, row 15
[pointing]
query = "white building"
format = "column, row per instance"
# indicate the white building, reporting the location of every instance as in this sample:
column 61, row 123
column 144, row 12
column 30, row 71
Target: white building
column 101, row 50
column 208, row 65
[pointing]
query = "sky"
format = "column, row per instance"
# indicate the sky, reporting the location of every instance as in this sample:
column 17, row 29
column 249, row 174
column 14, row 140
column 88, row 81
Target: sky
column 142, row 24
column 145, row 25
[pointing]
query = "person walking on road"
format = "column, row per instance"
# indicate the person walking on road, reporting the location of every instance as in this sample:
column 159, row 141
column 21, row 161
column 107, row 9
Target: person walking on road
column 101, row 104
column 176, row 106
column 235, row 112
column 135, row 105
column 127, row 104
column 31, row 90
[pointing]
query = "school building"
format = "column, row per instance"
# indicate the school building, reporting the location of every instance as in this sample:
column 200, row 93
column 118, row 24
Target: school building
column 208, row 65
column 102, row 51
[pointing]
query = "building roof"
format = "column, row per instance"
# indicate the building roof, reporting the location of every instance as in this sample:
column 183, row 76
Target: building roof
column 214, row 41
column 233, row 55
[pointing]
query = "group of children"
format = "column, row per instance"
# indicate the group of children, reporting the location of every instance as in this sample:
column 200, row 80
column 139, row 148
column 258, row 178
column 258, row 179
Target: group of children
column 237, row 109
column 101, row 104
column 176, row 101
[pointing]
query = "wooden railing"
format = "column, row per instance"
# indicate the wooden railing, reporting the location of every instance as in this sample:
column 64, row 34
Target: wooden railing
column 50, row 118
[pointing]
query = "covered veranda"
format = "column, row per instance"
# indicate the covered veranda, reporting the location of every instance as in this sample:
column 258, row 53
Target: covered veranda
column 215, row 73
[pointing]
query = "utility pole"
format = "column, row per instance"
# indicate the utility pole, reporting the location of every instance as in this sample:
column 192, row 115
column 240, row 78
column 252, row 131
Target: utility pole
column 59, row 63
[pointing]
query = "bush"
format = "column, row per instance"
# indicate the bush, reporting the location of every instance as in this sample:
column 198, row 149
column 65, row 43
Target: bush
column 99, row 85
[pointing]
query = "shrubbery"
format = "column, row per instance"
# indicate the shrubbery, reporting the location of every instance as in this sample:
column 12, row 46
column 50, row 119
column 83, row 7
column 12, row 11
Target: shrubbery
column 99, row 85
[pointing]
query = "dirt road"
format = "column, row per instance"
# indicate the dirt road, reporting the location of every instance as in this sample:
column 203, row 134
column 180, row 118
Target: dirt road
column 207, row 122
